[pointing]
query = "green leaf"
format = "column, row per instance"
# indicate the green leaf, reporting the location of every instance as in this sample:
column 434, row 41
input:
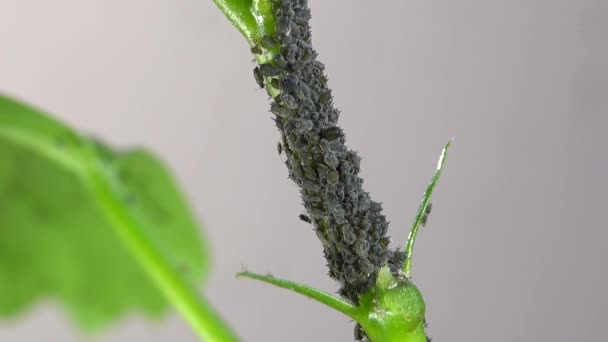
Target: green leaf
column 426, row 199
column 74, row 213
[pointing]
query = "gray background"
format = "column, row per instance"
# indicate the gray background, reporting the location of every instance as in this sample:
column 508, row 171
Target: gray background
column 515, row 248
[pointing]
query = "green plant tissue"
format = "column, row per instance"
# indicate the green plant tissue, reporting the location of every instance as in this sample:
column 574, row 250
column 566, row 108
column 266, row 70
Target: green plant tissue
column 55, row 241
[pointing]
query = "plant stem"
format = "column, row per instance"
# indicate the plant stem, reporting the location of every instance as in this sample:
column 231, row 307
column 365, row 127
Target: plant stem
column 332, row 301
column 196, row 310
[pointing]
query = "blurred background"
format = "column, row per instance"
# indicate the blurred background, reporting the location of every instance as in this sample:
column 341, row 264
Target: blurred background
column 516, row 245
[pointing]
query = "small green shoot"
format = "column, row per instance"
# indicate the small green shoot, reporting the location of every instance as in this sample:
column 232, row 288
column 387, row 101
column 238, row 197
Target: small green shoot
column 426, row 199
column 330, row 300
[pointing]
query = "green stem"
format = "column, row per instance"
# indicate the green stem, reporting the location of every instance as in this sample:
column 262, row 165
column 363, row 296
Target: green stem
column 197, row 312
column 426, row 199
column 332, row 301
column 395, row 335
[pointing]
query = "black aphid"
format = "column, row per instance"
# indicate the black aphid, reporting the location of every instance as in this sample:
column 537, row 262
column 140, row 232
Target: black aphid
column 360, row 334
column 279, row 148
column 256, row 50
column 268, row 42
column 269, row 70
column 257, row 75
column 305, row 218
column 425, row 216
column 275, row 83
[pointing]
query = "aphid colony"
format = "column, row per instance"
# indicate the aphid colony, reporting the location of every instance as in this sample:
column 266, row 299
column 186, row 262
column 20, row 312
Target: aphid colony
column 349, row 224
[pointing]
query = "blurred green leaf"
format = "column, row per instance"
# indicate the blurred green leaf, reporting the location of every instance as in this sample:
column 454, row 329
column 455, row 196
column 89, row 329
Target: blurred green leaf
column 55, row 239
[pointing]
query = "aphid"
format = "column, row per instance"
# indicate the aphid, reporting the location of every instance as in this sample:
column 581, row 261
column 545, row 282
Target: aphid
column 296, row 167
column 347, row 256
column 425, row 216
column 259, row 79
column 331, row 160
column 314, row 199
column 289, row 83
column 350, row 274
column 332, row 133
column 365, row 266
column 289, row 101
column 321, row 236
column 331, row 200
column 364, row 204
column 361, row 248
column 375, row 206
column 303, row 126
column 299, row 93
column 305, row 218
column 283, row 27
column 384, row 242
column 332, row 177
column 309, row 172
column 309, row 54
column 269, row 70
column 279, row 110
column 279, row 148
column 275, row 83
column 348, row 235
column 325, row 97
column 268, row 42
column 256, row 50
column 423, row 220
column 335, row 115
column 306, row 158
column 280, row 62
column 291, row 53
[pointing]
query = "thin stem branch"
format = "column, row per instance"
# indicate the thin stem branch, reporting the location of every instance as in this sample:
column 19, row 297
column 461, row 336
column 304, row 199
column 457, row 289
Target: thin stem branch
column 312, row 293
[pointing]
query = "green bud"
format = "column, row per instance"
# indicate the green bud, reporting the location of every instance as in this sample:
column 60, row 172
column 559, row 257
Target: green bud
column 395, row 310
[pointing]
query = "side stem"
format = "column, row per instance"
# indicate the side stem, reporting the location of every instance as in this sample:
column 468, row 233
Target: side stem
column 426, row 199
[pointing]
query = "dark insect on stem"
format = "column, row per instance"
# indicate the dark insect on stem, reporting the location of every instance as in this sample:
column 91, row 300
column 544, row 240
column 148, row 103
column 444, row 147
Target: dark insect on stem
column 425, row 217
column 259, row 79
column 360, row 334
column 268, row 42
column 279, row 148
column 269, row 70
column 305, row 218
column 275, row 83
column 256, row 50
